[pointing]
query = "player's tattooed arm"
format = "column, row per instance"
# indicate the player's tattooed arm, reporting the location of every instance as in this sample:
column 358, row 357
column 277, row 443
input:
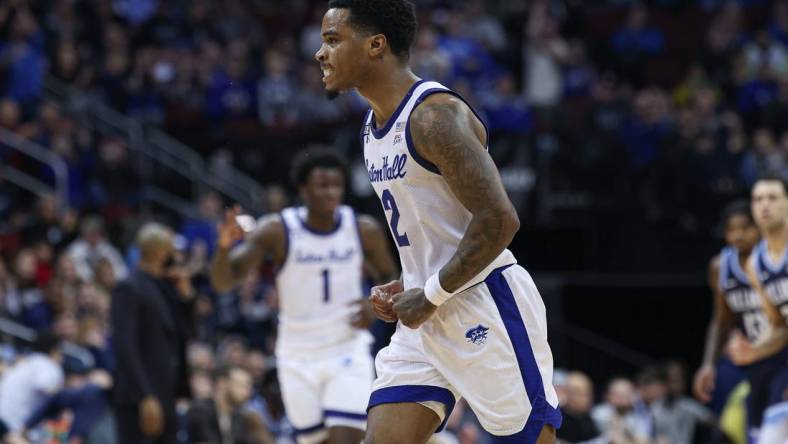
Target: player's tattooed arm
column 377, row 253
column 446, row 133
column 230, row 265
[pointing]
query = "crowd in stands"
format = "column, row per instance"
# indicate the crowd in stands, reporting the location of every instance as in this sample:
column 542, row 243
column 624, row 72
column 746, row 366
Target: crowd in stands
column 662, row 111
column 679, row 103
column 651, row 408
column 62, row 290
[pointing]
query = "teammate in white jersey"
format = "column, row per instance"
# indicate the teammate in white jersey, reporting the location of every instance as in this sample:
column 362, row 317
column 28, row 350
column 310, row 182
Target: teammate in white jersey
column 323, row 355
column 472, row 323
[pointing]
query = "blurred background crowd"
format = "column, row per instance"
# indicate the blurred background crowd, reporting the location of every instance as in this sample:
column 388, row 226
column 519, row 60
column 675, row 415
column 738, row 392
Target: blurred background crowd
column 618, row 126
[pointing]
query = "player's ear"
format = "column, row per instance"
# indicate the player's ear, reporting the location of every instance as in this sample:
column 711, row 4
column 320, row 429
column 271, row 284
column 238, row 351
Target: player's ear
column 377, row 46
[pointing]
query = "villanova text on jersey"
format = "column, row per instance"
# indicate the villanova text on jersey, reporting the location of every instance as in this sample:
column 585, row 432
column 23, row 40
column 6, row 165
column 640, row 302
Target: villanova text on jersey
column 743, row 301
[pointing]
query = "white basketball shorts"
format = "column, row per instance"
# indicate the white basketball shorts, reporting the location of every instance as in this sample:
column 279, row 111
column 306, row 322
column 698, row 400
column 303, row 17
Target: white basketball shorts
column 323, row 390
column 488, row 345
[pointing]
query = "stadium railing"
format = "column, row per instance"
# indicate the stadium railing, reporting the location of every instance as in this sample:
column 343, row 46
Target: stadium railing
column 9, row 328
column 159, row 156
column 40, row 154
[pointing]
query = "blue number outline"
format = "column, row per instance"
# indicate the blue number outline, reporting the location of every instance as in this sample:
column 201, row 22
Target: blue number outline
column 389, row 204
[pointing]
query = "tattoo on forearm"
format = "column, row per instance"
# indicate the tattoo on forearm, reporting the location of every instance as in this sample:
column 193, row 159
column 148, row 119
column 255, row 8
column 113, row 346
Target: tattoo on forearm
column 443, row 133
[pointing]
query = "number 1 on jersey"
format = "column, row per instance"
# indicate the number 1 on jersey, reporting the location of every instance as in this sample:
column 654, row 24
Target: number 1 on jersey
column 326, row 294
column 390, row 205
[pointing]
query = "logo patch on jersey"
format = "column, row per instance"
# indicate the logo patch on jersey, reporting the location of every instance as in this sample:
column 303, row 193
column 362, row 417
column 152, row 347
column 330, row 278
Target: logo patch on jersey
column 397, row 139
column 399, row 127
column 388, row 171
column 477, row 335
column 366, row 131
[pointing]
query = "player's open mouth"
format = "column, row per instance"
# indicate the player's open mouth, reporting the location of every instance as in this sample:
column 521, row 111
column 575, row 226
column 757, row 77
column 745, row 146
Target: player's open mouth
column 327, row 72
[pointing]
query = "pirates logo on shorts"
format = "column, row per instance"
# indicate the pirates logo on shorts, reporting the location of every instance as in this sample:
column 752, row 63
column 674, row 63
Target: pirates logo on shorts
column 477, row 335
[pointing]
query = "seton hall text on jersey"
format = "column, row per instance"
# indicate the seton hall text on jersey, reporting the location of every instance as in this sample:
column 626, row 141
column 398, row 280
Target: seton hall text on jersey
column 332, row 255
column 388, row 172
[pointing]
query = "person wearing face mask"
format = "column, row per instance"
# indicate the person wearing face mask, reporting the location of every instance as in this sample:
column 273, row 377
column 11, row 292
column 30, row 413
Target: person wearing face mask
column 150, row 317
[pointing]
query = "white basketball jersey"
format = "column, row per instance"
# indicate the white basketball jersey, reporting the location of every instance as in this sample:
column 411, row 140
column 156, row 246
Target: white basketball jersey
column 320, row 279
column 425, row 218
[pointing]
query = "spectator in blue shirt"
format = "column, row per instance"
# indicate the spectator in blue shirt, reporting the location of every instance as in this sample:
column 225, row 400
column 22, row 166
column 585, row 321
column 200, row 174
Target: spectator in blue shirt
column 506, row 110
column 202, row 229
column 23, row 58
column 636, row 38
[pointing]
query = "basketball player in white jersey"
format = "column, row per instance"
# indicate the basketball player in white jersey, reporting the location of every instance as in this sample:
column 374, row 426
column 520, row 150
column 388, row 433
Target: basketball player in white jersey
column 323, row 355
column 471, row 322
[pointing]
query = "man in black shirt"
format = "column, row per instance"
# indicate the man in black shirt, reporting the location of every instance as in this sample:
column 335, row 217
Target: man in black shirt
column 151, row 319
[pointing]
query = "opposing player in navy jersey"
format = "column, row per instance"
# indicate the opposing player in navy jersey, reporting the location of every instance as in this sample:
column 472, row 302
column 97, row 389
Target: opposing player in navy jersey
column 471, row 321
column 736, row 305
column 323, row 355
column 768, row 275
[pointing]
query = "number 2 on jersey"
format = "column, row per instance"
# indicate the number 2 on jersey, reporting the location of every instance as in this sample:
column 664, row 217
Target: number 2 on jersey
column 390, row 205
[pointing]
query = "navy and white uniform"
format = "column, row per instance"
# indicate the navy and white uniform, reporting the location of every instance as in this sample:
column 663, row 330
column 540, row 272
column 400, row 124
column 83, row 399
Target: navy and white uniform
column 487, row 344
column 769, row 377
column 324, row 365
column 742, row 300
column 774, row 276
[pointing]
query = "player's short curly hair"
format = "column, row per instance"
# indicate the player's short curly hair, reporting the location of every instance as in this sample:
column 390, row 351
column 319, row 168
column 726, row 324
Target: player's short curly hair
column 739, row 207
column 396, row 19
column 318, row 157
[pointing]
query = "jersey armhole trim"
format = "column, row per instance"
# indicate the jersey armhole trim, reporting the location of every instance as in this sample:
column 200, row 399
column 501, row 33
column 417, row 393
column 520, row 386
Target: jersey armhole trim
column 426, row 164
column 736, row 269
column 722, row 277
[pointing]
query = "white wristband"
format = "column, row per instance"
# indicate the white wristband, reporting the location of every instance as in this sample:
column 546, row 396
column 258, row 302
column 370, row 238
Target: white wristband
column 434, row 292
